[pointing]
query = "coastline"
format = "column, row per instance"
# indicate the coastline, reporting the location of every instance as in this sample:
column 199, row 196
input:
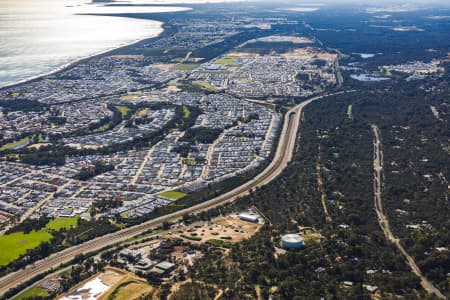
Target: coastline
column 162, row 31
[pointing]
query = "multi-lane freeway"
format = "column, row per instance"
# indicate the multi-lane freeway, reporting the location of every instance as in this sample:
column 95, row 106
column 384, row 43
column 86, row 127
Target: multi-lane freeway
column 283, row 155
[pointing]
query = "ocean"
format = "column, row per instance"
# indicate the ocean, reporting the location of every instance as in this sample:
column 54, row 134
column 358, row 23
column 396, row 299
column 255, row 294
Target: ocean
column 41, row 36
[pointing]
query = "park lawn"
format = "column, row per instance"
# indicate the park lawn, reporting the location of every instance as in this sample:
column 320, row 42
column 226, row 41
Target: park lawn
column 60, row 223
column 205, row 85
column 101, row 129
column 34, row 292
column 13, row 245
column 186, row 112
column 189, row 161
column 41, row 138
column 245, row 80
column 123, row 110
column 22, row 142
column 13, row 145
column 128, row 96
column 185, row 67
column 227, row 60
column 173, row 195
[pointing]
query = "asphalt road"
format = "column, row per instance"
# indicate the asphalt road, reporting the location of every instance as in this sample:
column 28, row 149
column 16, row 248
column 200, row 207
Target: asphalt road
column 283, row 155
column 383, row 220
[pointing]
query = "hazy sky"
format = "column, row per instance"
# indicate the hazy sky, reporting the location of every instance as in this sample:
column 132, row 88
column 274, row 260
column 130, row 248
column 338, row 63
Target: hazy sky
column 300, row 2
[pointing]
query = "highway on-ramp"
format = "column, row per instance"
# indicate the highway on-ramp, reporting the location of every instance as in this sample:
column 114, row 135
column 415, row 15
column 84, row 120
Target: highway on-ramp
column 283, row 154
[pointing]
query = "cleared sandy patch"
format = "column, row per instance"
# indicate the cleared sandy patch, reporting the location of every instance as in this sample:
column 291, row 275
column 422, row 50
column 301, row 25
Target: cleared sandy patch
column 174, row 89
column 142, row 112
column 243, row 54
column 229, row 228
column 79, row 146
column 96, row 286
column 309, row 53
column 38, row 145
column 164, row 67
column 285, row 38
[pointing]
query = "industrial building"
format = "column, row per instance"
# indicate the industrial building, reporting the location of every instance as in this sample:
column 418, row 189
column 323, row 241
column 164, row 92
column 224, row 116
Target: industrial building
column 249, row 217
column 163, row 267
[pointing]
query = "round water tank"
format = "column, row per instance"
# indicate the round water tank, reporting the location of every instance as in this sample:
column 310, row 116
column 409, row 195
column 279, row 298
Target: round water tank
column 292, row 241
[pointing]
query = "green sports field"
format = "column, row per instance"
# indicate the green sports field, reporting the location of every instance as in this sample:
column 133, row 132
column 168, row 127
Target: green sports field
column 15, row 244
column 15, row 144
column 173, row 195
column 60, row 223
column 123, row 110
column 32, row 293
column 186, row 67
column 186, row 112
column 227, row 60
